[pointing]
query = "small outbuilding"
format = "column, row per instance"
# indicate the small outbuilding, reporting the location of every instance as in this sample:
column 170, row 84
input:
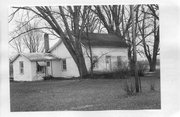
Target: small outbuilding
column 34, row 66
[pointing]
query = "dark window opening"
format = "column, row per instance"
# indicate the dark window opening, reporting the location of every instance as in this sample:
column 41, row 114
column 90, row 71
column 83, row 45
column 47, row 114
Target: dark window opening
column 48, row 63
column 119, row 61
column 64, row 67
column 21, row 66
column 40, row 68
column 108, row 59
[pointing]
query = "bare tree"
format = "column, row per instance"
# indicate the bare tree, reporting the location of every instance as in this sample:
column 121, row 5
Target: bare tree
column 17, row 45
column 134, row 26
column 93, row 23
column 114, row 18
column 68, row 23
column 117, row 19
column 31, row 40
column 150, row 50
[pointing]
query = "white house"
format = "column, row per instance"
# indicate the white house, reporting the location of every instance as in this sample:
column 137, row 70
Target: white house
column 108, row 50
column 34, row 66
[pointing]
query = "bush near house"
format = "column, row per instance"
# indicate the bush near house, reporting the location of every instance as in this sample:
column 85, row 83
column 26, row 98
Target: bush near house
column 48, row 77
column 142, row 67
column 121, row 72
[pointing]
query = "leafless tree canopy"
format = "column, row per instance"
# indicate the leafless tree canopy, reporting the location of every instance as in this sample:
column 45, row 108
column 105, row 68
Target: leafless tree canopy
column 69, row 23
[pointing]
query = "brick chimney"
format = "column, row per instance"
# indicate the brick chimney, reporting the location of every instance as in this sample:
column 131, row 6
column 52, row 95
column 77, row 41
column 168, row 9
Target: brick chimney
column 46, row 42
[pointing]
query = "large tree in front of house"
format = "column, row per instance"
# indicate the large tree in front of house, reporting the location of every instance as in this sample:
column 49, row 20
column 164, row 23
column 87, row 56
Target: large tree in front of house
column 69, row 24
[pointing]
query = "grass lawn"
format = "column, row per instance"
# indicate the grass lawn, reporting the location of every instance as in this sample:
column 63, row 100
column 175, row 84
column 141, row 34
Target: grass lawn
column 87, row 94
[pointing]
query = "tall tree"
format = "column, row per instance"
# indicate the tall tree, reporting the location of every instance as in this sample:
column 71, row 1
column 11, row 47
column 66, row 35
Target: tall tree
column 150, row 52
column 114, row 19
column 68, row 23
column 134, row 26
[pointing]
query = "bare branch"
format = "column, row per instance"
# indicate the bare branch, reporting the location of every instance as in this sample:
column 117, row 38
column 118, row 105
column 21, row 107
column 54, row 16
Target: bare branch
column 28, row 31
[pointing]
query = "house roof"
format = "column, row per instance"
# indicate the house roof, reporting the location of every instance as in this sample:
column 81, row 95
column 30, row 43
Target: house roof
column 99, row 40
column 37, row 56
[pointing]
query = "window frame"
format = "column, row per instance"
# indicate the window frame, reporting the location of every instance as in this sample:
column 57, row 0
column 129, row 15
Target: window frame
column 21, row 67
column 48, row 63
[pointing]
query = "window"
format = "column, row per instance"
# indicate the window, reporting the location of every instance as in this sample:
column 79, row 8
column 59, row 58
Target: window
column 108, row 59
column 108, row 63
column 40, row 68
column 48, row 63
column 64, row 67
column 21, row 66
column 119, row 61
column 95, row 61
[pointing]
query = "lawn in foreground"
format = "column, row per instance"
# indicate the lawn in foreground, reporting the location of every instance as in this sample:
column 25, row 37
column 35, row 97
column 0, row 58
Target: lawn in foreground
column 87, row 94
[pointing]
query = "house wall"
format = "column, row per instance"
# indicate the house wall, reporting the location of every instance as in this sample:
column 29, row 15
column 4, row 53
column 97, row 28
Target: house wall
column 53, row 70
column 72, row 70
column 26, row 76
column 102, row 52
column 56, row 68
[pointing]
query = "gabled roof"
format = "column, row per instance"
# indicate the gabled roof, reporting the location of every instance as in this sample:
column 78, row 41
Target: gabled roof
column 37, row 56
column 99, row 40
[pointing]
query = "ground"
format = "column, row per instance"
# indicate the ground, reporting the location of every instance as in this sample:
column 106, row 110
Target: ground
column 87, row 94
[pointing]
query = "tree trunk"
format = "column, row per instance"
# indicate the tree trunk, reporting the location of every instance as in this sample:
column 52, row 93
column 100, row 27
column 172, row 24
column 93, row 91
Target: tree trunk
column 134, row 52
column 151, row 57
column 155, row 48
column 152, row 66
column 82, row 68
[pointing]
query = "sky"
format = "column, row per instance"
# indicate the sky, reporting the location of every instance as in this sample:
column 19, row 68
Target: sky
column 12, row 26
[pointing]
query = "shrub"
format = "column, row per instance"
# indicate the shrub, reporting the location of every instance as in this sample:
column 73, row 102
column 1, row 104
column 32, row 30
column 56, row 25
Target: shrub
column 128, row 88
column 122, row 71
column 49, row 77
column 142, row 68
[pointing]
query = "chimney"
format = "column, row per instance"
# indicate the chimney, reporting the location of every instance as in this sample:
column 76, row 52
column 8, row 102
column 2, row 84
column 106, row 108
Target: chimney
column 46, row 42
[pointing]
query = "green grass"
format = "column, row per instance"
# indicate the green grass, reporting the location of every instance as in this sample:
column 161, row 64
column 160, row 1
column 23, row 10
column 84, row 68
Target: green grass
column 87, row 94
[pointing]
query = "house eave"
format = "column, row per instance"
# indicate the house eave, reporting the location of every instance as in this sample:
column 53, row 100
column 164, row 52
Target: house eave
column 45, row 60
